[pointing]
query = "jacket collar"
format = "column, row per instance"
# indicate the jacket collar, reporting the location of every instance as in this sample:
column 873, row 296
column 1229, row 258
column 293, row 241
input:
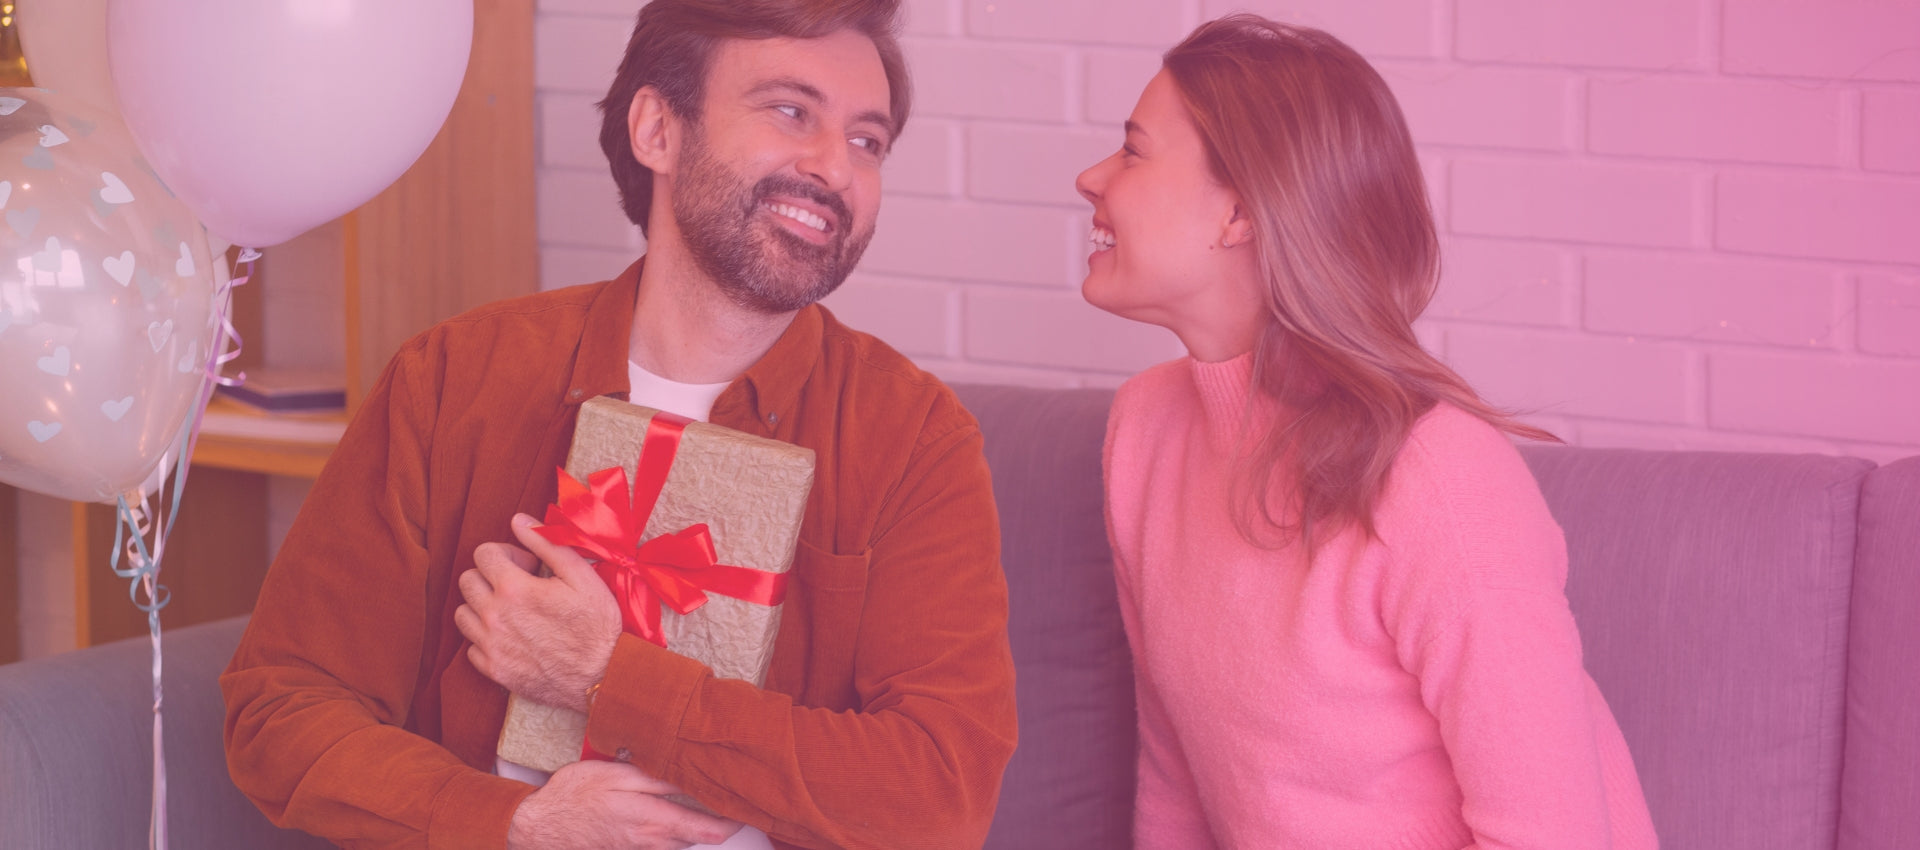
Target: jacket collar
column 767, row 392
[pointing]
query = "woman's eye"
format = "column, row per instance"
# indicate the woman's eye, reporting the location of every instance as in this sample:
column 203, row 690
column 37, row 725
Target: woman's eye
column 1127, row 150
column 789, row 110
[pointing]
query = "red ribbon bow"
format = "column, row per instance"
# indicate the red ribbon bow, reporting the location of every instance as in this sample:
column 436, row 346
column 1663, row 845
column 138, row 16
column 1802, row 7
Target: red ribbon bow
column 598, row 520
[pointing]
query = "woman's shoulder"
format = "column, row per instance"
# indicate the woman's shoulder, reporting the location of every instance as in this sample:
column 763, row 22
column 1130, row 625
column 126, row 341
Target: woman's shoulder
column 1156, row 385
column 1460, row 492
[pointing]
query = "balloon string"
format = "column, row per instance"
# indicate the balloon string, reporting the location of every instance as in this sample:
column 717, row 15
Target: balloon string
column 154, row 514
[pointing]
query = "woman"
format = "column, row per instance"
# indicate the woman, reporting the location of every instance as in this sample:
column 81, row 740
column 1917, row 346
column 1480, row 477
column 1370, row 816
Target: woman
column 1344, row 593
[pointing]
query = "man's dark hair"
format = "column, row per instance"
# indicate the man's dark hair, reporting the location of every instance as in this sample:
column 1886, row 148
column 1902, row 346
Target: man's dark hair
column 672, row 46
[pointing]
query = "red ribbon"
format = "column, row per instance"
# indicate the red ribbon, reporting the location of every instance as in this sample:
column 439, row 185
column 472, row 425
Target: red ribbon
column 677, row 569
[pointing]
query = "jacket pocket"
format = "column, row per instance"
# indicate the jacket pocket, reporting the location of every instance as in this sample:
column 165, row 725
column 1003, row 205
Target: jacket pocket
column 820, row 628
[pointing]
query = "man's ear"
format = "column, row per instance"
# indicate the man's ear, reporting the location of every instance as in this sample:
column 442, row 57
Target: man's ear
column 653, row 131
column 1238, row 228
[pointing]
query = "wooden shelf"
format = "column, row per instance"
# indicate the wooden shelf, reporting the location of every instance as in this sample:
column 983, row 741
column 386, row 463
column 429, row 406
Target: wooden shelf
column 236, row 437
column 455, row 232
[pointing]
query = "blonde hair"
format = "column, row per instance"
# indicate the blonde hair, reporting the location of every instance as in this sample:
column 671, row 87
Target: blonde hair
column 1311, row 139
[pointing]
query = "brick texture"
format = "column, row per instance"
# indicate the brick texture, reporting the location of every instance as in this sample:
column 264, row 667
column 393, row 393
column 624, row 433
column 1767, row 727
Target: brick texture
column 1665, row 223
column 1654, row 34
column 1722, row 120
column 1890, row 137
column 1866, row 400
column 1889, row 315
column 1840, row 39
column 1625, row 204
column 1810, row 215
column 1743, row 301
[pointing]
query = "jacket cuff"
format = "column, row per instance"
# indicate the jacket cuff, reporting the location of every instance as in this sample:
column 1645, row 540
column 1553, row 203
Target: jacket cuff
column 637, row 713
column 474, row 810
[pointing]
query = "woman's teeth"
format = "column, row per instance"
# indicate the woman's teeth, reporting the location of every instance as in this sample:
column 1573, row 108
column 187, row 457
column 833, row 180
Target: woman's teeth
column 799, row 215
column 1100, row 238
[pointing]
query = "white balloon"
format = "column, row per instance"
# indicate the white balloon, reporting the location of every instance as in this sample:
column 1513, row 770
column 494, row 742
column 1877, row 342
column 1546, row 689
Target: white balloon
column 269, row 117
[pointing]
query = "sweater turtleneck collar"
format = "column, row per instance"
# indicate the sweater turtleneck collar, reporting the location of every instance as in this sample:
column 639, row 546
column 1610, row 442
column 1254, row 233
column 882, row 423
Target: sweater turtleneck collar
column 1224, row 388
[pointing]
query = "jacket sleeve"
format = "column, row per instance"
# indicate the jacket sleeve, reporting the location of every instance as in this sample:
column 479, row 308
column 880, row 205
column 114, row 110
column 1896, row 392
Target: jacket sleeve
column 918, row 763
column 325, row 675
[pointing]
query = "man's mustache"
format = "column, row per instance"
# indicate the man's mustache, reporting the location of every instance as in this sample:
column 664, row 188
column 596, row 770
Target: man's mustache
column 796, row 188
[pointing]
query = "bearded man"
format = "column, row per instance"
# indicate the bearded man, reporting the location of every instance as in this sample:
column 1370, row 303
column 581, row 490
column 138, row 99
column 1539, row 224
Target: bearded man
column 366, row 699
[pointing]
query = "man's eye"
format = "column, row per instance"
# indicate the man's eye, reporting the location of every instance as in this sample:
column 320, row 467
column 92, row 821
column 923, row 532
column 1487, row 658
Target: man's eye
column 1128, row 150
column 789, row 110
column 872, row 145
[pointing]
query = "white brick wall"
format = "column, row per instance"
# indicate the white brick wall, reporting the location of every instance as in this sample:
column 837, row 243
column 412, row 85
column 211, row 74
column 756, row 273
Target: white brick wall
column 1667, row 223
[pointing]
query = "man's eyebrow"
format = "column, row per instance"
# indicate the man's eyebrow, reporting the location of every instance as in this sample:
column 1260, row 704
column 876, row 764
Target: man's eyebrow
column 813, row 93
column 801, row 87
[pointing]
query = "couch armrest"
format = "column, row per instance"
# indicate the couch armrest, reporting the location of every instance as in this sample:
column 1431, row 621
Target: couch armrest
column 76, row 744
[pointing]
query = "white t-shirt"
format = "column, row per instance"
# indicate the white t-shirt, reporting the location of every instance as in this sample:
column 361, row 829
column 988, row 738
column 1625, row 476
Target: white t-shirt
column 695, row 402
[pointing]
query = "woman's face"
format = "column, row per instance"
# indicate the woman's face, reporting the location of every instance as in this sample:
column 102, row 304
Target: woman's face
column 1163, row 226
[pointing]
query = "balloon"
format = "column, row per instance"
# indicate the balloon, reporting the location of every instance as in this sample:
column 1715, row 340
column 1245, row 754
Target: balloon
column 66, row 46
column 106, row 303
column 269, row 118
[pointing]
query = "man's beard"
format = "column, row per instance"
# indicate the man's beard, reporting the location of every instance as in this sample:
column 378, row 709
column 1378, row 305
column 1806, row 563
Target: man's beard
column 772, row 272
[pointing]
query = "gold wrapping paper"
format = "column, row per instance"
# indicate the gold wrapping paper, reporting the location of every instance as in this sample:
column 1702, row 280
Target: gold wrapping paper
column 750, row 491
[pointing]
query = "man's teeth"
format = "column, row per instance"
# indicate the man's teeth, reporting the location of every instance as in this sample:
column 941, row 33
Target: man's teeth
column 1101, row 239
column 800, row 215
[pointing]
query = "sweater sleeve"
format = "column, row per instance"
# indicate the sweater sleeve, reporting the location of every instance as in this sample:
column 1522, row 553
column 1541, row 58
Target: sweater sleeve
column 1167, row 811
column 918, row 764
column 324, row 677
column 1480, row 618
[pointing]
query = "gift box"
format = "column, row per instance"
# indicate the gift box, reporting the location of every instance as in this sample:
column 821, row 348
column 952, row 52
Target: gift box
column 699, row 493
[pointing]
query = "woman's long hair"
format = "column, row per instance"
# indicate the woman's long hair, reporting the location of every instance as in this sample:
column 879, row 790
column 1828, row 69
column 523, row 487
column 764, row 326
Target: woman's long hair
column 1311, row 139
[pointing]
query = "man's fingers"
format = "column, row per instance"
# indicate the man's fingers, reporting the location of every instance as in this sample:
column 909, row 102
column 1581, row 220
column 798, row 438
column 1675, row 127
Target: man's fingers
column 474, row 586
column 700, row 828
column 499, row 563
column 468, row 623
column 565, row 563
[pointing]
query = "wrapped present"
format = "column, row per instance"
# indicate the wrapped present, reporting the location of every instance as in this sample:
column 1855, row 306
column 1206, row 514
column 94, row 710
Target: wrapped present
column 696, row 552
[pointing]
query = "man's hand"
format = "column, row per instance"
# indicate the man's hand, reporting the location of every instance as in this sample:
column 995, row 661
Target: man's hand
column 596, row 804
column 546, row 639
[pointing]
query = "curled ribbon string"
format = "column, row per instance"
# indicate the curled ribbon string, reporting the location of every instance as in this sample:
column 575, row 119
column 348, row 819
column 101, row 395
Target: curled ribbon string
column 154, row 514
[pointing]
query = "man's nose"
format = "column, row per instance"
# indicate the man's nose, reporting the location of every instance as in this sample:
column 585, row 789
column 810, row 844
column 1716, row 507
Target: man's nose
column 827, row 161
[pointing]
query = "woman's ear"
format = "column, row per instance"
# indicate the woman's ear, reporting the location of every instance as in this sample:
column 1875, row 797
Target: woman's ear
column 1238, row 228
column 653, row 131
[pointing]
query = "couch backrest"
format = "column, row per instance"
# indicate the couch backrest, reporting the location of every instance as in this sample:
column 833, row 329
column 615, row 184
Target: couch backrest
column 1070, row 783
column 1711, row 591
column 1881, row 777
column 59, row 716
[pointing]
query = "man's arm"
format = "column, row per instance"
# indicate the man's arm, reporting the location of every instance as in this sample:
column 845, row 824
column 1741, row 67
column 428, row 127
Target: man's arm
column 919, row 763
column 326, row 673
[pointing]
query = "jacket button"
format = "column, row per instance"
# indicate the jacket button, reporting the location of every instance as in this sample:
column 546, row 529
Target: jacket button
column 773, row 419
column 623, row 754
column 575, row 394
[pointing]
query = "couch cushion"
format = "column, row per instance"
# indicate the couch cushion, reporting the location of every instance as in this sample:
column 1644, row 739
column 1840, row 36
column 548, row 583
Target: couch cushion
column 1070, row 783
column 1880, row 785
column 76, row 744
column 1712, row 591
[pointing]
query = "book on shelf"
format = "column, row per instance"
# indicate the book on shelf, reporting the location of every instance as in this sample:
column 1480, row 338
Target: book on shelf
column 290, row 390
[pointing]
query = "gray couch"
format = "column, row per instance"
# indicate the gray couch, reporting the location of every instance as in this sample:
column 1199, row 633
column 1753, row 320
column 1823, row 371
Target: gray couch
column 1754, row 621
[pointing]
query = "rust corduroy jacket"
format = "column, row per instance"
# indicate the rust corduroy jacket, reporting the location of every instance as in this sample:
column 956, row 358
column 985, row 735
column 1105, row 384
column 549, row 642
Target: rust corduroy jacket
column 887, row 717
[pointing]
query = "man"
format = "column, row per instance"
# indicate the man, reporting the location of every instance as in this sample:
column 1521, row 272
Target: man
column 366, row 699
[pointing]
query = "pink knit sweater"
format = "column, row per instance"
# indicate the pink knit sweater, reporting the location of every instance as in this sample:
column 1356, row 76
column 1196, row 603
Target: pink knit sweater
column 1419, row 690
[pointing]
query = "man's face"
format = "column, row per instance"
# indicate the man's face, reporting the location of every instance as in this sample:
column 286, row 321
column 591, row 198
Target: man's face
column 777, row 184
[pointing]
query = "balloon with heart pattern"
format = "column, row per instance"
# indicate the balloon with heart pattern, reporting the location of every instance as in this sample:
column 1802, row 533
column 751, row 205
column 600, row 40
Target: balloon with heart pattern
column 106, row 285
